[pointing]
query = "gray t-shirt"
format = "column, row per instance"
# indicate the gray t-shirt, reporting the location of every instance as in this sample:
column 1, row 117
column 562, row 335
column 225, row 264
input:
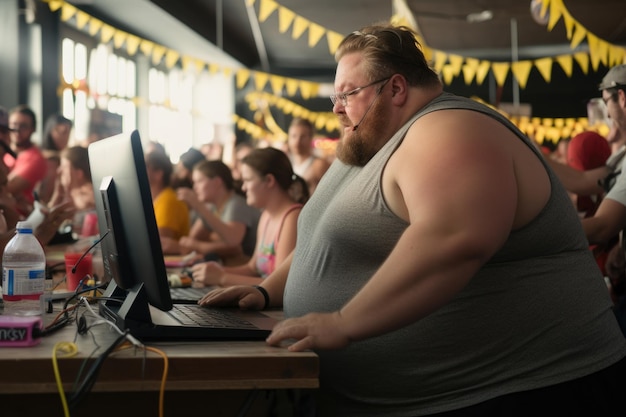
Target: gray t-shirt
column 537, row 314
column 237, row 210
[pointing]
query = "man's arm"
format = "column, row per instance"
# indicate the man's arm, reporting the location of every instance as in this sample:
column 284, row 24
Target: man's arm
column 579, row 182
column 250, row 298
column 608, row 220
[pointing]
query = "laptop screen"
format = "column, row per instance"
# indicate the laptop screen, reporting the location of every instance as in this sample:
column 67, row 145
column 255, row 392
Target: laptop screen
column 131, row 250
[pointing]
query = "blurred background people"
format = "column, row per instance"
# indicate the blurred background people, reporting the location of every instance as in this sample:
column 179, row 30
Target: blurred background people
column 171, row 214
column 29, row 168
column 267, row 177
column 182, row 170
column 75, row 187
column 301, row 152
column 226, row 226
column 241, row 150
column 56, row 138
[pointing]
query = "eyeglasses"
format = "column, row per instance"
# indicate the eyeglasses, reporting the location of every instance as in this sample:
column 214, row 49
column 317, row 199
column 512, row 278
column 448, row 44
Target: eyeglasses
column 343, row 97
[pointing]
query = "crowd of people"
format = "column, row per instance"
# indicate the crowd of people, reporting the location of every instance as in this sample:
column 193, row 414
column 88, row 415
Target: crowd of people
column 239, row 220
column 440, row 265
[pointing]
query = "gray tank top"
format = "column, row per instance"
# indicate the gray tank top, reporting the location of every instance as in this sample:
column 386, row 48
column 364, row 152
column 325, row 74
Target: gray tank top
column 500, row 334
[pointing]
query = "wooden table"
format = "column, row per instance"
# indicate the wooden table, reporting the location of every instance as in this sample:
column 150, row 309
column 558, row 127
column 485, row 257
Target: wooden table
column 223, row 374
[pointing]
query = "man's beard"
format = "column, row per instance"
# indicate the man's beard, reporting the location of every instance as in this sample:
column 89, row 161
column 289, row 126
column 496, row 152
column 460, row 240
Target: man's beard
column 357, row 147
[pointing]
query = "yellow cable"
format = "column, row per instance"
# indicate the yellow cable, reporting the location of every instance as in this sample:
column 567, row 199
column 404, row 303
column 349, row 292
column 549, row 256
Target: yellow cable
column 70, row 349
column 163, row 377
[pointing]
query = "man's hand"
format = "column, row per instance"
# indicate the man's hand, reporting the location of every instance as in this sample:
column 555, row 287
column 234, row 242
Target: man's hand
column 313, row 331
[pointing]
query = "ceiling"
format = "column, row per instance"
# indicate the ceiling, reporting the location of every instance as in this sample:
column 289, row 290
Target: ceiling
column 233, row 26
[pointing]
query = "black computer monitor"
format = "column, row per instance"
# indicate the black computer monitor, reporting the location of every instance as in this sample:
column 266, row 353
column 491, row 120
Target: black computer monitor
column 131, row 248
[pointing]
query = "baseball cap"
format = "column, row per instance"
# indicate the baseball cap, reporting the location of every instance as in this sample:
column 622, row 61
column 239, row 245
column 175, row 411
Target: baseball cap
column 190, row 158
column 588, row 150
column 616, row 77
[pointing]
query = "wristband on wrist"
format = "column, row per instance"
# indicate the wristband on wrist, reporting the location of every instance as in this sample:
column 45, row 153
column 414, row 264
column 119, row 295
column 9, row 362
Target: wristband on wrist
column 266, row 296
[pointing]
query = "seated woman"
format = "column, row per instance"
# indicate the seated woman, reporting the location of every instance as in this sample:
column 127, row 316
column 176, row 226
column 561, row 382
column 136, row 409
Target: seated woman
column 268, row 179
column 75, row 186
column 171, row 214
column 55, row 139
column 228, row 225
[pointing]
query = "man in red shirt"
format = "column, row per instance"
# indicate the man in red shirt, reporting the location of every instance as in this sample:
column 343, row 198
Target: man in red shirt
column 29, row 168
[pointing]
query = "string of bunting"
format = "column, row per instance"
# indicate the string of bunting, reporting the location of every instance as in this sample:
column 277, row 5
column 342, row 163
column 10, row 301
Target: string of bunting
column 450, row 65
column 472, row 69
column 170, row 57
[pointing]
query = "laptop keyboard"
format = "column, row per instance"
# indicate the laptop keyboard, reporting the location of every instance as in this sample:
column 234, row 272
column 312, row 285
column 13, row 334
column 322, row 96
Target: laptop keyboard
column 188, row 293
column 194, row 315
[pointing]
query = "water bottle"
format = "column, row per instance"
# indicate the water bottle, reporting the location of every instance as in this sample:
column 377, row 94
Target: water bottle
column 23, row 273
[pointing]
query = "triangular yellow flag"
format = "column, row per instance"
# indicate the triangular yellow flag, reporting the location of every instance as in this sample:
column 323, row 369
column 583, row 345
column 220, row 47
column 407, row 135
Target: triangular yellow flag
column 118, row 38
column 300, row 24
column 285, row 17
column 266, row 8
column 157, row 53
column 482, row 71
column 603, row 51
column 55, row 5
column 132, row 43
column 241, row 77
column 616, row 55
column 500, row 71
column 468, row 74
column 567, row 63
column 315, row 34
column 569, row 25
column 582, row 58
column 579, row 34
column 171, row 58
column 521, row 70
column 94, row 26
column 277, row 84
column 305, row 89
column 469, row 69
column 440, row 60
column 556, row 10
column 456, row 62
column 213, row 68
column 186, row 62
column 291, row 87
column 334, row 39
column 260, row 79
column 146, row 47
column 106, row 33
column 82, row 19
column 447, row 74
column 200, row 65
column 594, row 50
column 67, row 12
column 544, row 65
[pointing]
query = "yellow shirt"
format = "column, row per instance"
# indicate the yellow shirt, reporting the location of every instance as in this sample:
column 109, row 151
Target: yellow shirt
column 171, row 213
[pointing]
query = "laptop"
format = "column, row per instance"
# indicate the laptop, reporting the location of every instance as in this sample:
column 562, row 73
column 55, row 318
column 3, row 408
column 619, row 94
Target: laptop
column 188, row 295
column 138, row 296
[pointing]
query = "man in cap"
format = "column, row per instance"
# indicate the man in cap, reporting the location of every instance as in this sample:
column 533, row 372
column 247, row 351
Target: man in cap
column 182, row 170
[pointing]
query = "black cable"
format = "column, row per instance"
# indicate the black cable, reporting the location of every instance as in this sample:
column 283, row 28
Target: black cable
column 88, row 250
column 92, row 375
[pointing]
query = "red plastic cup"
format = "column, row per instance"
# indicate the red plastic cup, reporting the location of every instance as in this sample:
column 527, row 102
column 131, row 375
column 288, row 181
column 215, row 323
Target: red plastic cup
column 90, row 225
column 83, row 269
